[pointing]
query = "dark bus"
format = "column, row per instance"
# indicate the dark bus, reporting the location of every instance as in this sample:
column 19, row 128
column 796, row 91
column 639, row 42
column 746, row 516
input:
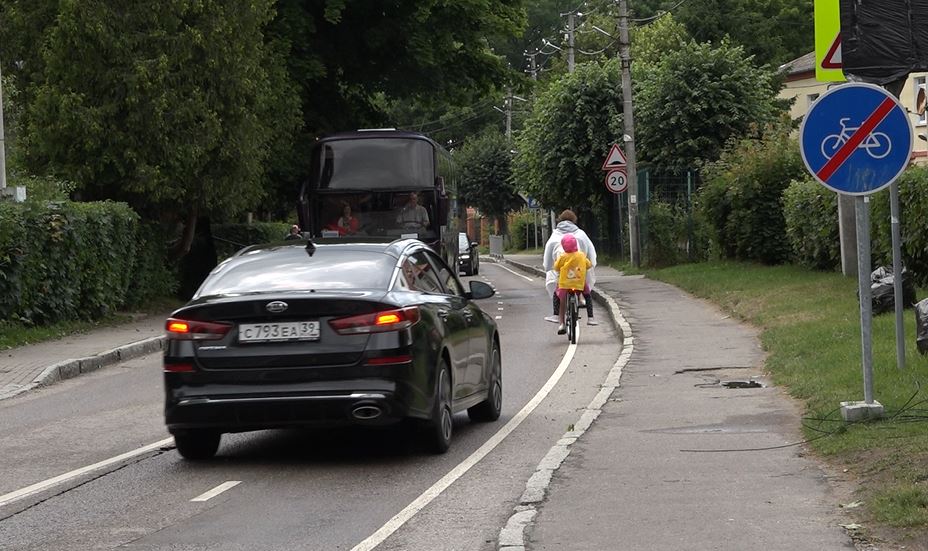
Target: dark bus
column 382, row 185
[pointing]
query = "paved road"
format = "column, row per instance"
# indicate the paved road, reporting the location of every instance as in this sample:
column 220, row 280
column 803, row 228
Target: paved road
column 299, row 489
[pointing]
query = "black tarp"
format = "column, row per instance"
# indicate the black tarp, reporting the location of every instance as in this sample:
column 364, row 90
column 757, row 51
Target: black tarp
column 882, row 41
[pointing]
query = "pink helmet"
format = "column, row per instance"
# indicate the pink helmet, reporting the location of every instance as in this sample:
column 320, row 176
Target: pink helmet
column 569, row 243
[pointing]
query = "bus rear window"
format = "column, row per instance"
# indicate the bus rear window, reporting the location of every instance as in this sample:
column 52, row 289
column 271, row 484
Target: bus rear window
column 373, row 163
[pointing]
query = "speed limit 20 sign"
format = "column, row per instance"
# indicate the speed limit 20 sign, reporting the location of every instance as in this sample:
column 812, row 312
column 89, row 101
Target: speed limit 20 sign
column 617, row 180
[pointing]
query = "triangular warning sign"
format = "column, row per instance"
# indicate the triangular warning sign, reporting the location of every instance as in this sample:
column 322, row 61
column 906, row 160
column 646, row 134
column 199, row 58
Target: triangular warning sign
column 832, row 59
column 615, row 158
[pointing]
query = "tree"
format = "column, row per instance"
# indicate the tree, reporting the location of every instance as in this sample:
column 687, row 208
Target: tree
column 773, row 31
column 567, row 136
column 696, row 99
column 486, row 165
column 170, row 107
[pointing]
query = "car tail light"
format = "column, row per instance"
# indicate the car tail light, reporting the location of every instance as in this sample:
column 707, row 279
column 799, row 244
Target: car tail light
column 189, row 330
column 182, row 367
column 376, row 322
column 389, row 360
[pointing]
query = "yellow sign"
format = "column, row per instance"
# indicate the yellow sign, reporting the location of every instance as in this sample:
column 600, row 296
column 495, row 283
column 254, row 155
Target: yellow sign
column 828, row 41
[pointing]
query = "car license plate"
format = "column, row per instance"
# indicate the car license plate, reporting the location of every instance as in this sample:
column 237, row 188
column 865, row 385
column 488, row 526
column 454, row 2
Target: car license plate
column 279, row 331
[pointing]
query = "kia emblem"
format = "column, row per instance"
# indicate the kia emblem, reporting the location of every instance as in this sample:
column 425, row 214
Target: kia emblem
column 276, row 307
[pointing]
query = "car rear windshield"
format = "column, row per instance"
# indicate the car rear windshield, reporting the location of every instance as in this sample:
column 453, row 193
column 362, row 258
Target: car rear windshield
column 286, row 269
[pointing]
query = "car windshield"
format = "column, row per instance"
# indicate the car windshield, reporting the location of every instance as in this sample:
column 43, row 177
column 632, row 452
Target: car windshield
column 289, row 269
column 463, row 242
column 374, row 163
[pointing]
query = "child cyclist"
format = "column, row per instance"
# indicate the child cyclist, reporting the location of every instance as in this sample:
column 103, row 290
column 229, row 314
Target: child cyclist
column 571, row 267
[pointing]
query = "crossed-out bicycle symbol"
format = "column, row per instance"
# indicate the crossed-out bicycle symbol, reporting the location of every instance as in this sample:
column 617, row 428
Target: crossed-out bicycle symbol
column 877, row 144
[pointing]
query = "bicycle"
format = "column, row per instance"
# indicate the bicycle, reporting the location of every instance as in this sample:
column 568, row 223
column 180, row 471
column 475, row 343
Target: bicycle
column 572, row 314
column 877, row 144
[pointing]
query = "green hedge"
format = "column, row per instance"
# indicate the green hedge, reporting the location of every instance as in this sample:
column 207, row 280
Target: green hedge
column 520, row 229
column 811, row 213
column 65, row 260
column 913, row 217
column 741, row 196
column 229, row 238
column 667, row 232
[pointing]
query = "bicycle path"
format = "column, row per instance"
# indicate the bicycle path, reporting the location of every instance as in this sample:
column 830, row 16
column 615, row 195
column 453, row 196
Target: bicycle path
column 675, row 459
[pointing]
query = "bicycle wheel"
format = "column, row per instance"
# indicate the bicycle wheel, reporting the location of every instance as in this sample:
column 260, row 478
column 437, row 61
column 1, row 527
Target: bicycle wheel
column 878, row 145
column 830, row 145
column 572, row 311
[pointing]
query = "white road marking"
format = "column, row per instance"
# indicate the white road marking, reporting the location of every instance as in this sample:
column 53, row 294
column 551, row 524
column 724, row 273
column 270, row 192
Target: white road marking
column 499, row 317
column 6, row 499
column 514, row 273
column 217, row 490
column 500, row 309
column 457, row 472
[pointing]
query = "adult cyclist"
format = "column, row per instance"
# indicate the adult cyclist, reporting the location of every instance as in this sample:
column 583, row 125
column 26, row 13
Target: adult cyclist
column 567, row 225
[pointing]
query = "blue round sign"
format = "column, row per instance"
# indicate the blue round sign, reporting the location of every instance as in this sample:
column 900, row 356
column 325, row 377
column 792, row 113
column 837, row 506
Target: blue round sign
column 856, row 139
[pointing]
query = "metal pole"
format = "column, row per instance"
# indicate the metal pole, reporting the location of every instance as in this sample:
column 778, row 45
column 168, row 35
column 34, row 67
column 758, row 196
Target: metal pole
column 897, row 273
column 895, row 88
column 2, row 140
column 862, row 216
column 629, row 124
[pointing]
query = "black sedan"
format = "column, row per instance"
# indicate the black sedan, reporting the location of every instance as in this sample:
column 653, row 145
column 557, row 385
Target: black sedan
column 468, row 255
column 298, row 334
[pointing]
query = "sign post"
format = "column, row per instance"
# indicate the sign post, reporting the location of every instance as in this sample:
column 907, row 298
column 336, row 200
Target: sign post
column 856, row 140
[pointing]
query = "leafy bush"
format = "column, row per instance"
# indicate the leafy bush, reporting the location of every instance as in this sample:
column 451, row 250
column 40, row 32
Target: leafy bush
column 666, row 232
column 64, row 261
column 152, row 275
column 913, row 216
column 811, row 215
column 229, row 238
column 520, row 226
column 741, row 197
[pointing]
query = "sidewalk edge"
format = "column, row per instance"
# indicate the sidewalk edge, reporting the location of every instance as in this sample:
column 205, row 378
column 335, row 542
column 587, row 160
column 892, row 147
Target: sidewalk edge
column 512, row 535
column 71, row 368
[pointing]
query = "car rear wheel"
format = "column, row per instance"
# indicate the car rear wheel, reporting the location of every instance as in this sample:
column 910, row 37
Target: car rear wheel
column 441, row 426
column 197, row 445
column 489, row 409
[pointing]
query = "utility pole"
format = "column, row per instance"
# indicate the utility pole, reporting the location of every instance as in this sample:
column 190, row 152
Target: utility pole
column 570, row 42
column 2, row 141
column 508, row 114
column 533, row 70
column 629, row 137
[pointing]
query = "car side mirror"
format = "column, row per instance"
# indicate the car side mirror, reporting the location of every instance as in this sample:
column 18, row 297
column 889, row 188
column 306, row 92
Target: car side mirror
column 479, row 290
column 474, row 244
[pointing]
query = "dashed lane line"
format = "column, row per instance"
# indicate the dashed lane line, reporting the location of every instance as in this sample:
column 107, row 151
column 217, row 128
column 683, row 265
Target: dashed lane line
column 206, row 496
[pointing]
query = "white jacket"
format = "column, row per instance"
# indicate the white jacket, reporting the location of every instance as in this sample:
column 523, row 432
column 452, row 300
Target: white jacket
column 553, row 249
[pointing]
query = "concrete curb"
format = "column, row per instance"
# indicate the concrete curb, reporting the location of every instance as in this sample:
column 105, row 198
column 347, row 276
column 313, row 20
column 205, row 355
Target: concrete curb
column 71, row 368
column 512, row 536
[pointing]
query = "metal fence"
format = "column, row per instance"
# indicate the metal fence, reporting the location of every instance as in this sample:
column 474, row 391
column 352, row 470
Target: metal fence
column 674, row 189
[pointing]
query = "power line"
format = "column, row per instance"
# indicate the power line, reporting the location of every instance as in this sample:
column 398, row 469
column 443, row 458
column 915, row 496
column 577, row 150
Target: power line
column 659, row 15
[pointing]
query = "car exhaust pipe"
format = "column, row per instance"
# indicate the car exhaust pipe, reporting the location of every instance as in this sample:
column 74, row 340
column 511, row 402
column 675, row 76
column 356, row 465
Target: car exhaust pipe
column 366, row 412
